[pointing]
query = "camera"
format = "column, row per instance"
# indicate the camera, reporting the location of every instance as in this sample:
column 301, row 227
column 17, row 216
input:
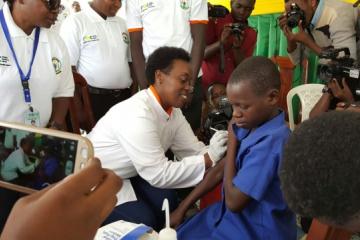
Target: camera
column 339, row 67
column 236, row 28
column 218, row 118
column 294, row 16
column 217, row 11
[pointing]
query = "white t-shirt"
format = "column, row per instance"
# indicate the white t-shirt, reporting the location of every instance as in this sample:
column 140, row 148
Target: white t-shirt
column 51, row 75
column 17, row 161
column 165, row 22
column 131, row 140
column 65, row 12
column 98, row 48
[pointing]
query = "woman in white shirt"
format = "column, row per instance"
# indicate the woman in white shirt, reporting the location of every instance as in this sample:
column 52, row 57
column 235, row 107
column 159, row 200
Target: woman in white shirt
column 132, row 138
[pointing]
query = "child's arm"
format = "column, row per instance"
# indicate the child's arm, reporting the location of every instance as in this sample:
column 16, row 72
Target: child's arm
column 210, row 181
column 235, row 200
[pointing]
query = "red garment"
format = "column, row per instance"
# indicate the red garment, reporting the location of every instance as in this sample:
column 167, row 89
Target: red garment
column 210, row 67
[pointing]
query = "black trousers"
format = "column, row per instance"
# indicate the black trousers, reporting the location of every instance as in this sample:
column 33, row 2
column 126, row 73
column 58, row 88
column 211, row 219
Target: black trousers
column 101, row 103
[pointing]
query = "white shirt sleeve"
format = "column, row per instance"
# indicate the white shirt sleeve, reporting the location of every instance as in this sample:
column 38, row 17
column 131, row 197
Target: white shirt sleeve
column 66, row 85
column 71, row 34
column 141, row 142
column 199, row 10
column 342, row 30
column 186, row 143
column 133, row 16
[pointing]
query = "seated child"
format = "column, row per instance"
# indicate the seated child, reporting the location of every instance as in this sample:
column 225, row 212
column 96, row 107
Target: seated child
column 252, row 206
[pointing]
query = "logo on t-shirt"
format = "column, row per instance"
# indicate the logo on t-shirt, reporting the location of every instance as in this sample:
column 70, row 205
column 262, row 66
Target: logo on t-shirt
column 57, row 65
column 147, row 6
column 90, row 38
column 125, row 37
column 4, row 61
column 184, row 4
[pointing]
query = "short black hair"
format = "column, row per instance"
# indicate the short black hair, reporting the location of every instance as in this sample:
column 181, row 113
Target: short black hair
column 162, row 59
column 321, row 165
column 27, row 140
column 261, row 72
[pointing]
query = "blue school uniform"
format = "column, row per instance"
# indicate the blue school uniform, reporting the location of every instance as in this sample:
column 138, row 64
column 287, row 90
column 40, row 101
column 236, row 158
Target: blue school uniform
column 266, row 216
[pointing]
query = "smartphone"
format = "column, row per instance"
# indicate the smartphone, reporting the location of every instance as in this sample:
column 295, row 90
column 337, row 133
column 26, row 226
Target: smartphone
column 32, row 158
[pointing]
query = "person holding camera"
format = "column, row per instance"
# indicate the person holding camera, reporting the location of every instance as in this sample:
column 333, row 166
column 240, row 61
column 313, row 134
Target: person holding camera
column 35, row 72
column 229, row 40
column 73, row 209
column 321, row 24
column 334, row 93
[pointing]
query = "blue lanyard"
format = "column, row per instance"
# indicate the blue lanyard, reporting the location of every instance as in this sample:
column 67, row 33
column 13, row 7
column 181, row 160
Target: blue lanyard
column 24, row 79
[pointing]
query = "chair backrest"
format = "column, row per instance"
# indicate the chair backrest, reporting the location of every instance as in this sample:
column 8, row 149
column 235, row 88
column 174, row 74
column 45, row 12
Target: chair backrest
column 320, row 231
column 80, row 110
column 309, row 94
column 286, row 69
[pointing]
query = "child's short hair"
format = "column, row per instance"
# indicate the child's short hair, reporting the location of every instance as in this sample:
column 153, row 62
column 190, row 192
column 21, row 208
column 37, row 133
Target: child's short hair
column 261, row 72
column 321, row 168
column 162, row 59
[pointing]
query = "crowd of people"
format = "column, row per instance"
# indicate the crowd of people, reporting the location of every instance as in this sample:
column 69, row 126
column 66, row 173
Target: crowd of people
column 150, row 74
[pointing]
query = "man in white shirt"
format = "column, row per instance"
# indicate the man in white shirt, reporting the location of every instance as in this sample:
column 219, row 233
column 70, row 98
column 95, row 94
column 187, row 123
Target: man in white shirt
column 98, row 45
column 50, row 84
column 177, row 23
column 132, row 138
column 18, row 161
column 44, row 95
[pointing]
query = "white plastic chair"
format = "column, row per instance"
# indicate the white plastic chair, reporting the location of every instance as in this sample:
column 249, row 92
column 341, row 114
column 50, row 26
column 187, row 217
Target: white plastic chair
column 309, row 94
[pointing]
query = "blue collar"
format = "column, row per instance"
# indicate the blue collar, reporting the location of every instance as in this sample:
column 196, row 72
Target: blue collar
column 264, row 129
column 317, row 14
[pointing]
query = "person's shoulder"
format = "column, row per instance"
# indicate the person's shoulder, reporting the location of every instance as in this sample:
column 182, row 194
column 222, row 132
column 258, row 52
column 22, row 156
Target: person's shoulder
column 137, row 105
column 52, row 37
column 336, row 4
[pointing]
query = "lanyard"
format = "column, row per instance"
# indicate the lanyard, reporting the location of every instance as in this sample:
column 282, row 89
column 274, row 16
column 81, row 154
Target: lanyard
column 24, row 79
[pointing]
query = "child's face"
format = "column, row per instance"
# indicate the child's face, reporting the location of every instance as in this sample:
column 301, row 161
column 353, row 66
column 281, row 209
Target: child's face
column 216, row 92
column 249, row 109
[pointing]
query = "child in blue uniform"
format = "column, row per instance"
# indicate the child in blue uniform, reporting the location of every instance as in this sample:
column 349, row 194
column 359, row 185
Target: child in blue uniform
column 252, row 206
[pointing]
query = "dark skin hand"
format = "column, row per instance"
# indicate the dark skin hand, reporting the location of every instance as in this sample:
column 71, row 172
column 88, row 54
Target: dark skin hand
column 73, row 209
column 235, row 200
column 343, row 94
column 212, row 178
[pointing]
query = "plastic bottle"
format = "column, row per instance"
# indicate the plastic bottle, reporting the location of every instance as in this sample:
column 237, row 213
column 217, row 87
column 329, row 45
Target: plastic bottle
column 167, row 233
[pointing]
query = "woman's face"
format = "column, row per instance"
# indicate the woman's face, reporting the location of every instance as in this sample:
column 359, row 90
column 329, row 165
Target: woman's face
column 43, row 13
column 173, row 87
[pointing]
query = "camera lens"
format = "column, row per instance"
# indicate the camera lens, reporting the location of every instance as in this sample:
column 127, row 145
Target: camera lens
column 293, row 20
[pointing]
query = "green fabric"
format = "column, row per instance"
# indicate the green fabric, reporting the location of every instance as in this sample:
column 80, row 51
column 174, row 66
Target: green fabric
column 272, row 42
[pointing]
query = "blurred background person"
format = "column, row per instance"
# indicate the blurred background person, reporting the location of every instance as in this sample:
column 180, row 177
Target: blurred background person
column 232, row 34
column 98, row 44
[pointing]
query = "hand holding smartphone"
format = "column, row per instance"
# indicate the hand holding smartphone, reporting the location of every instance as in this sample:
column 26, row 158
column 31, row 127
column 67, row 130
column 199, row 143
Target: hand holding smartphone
column 71, row 210
column 32, row 158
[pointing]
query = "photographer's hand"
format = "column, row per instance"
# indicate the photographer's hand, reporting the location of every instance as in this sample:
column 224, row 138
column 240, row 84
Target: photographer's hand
column 225, row 34
column 73, row 209
column 344, row 94
column 238, row 52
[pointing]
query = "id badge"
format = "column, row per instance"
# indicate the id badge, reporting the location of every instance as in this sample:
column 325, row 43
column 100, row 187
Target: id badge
column 32, row 117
